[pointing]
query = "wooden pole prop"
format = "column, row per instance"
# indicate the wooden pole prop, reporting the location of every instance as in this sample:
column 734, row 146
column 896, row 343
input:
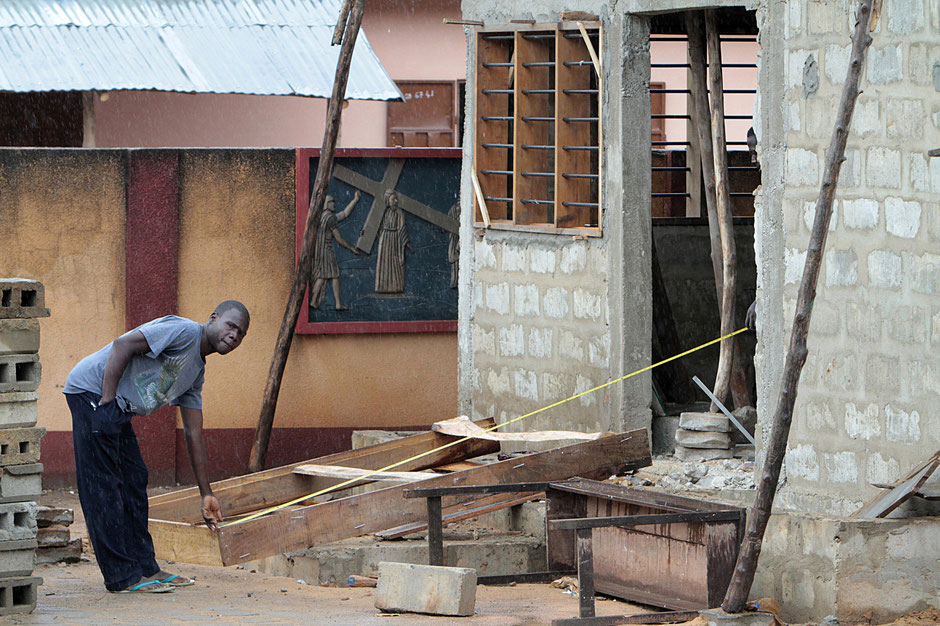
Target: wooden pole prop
column 725, row 226
column 757, row 519
column 259, row 448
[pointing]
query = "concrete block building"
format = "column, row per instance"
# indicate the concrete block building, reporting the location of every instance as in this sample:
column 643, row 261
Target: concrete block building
column 549, row 310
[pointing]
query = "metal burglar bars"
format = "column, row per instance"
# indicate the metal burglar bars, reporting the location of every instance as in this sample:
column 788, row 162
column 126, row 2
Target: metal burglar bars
column 676, row 190
column 538, row 128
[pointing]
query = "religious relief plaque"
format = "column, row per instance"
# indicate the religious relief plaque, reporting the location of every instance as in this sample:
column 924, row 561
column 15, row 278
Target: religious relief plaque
column 386, row 252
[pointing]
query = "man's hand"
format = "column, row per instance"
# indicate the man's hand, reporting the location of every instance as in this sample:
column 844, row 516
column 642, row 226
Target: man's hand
column 211, row 511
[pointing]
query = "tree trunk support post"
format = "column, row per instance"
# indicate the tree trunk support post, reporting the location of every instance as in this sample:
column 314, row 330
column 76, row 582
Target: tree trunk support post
column 743, row 576
column 259, row 446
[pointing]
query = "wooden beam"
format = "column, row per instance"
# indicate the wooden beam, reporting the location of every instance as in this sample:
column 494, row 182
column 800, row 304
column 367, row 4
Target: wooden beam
column 896, row 495
column 628, row 521
column 288, row 530
column 346, row 473
column 275, row 486
column 259, row 447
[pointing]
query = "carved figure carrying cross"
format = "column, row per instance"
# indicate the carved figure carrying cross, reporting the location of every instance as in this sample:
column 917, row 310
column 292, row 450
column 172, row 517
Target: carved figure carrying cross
column 377, row 189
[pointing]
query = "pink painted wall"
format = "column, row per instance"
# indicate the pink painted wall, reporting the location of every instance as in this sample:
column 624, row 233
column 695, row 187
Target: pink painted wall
column 408, row 36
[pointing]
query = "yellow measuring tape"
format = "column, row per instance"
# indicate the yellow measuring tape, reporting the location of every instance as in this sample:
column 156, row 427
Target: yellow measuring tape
column 461, row 440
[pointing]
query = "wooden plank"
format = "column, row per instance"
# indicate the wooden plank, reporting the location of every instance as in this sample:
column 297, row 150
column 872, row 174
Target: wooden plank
column 176, row 541
column 669, row 617
column 656, row 499
column 721, row 552
column 628, row 521
column 437, row 492
column 284, row 531
column 528, row 132
column 561, row 545
column 435, row 532
column 463, row 427
column 459, row 466
column 492, row 131
column 887, row 501
column 346, row 473
column 455, row 513
column 572, row 133
column 275, row 486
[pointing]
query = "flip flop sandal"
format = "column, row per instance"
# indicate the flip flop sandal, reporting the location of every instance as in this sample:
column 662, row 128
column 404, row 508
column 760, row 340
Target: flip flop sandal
column 184, row 582
column 147, row 587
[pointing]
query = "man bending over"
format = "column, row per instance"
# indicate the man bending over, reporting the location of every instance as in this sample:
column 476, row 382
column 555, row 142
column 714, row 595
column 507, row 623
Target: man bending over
column 158, row 363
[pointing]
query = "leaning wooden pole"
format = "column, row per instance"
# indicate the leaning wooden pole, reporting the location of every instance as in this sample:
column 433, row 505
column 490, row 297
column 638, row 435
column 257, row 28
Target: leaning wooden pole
column 757, row 518
column 725, row 224
column 259, row 448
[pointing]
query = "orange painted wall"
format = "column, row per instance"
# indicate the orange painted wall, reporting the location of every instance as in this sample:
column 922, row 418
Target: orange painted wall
column 237, row 241
column 62, row 219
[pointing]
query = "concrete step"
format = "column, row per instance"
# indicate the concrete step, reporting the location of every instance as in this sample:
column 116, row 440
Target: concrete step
column 490, row 555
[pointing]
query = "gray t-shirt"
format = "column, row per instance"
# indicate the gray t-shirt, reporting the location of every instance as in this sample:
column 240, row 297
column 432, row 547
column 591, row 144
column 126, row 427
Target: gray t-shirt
column 171, row 373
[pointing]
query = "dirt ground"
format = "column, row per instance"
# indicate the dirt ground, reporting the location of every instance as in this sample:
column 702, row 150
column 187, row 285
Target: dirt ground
column 74, row 594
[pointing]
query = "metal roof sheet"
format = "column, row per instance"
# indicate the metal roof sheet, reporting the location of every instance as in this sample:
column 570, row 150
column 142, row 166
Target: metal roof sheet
column 275, row 47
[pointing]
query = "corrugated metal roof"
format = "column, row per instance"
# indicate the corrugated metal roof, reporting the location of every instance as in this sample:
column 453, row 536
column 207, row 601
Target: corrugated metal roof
column 275, row 47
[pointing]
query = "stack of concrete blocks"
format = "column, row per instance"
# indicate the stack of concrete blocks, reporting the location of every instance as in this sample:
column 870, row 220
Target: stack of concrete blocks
column 704, row 437
column 55, row 544
column 21, row 302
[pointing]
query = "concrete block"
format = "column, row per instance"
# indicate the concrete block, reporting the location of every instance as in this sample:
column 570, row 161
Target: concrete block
column 19, row 336
column 841, row 268
column 20, row 445
column 861, row 213
column 22, row 298
column 884, row 168
column 699, row 439
column 17, row 558
column 18, row 409
column 514, row 259
column 542, row 261
column 49, row 515
column 428, row 589
column 511, row 340
column 20, row 483
column 526, row 300
column 902, row 219
column 555, row 303
column 708, row 422
column 18, row 595
column 540, row 343
column 54, row 536
column 698, row 455
column 526, row 384
column 664, row 434
column 884, row 269
column 587, row 305
column 69, row 553
column 19, row 372
column 747, row 417
column 497, row 298
column 884, row 64
column 18, row 521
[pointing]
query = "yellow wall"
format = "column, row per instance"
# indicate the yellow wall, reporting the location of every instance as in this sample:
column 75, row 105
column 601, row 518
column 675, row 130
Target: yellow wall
column 62, row 223
column 237, row 240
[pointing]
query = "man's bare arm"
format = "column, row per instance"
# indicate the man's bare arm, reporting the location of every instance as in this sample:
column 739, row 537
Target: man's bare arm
column 349, row 207
column 123, row 348
column 192, row 429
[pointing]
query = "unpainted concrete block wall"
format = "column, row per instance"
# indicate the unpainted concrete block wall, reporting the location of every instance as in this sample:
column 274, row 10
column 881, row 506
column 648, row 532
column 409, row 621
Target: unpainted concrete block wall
column 866, row 406
column 543, row 317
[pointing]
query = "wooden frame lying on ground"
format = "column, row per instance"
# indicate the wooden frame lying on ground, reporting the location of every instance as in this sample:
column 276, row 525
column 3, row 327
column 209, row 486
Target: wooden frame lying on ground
column 179, row 535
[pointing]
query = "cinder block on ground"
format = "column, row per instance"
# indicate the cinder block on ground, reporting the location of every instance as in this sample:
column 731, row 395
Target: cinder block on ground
column 18, row 521
column 22, row 298
column 664, row 434
column 69, row 553
column 54, row 536
column 18, row 409
column 404, row 587
column 49, row 515
column 20, row 445
column 702, row 439
column 20, row 483
column 18, row 595
column 708, row 422
column 698, row 455
column 19, row 372
column 19, row 336
column 17, row 558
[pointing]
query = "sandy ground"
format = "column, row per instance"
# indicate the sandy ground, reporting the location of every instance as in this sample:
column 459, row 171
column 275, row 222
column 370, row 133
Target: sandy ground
column 74, row 594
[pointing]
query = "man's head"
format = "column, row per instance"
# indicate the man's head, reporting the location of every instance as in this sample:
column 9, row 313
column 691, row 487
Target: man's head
column 227, row 326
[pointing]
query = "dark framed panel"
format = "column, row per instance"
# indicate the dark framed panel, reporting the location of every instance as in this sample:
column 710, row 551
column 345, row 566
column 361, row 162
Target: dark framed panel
column 426, row 182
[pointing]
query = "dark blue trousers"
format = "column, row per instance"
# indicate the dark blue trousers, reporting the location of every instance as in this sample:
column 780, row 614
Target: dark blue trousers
column 112, row 488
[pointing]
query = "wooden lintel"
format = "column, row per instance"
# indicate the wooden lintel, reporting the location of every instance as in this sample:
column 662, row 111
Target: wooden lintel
column 288, row 530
